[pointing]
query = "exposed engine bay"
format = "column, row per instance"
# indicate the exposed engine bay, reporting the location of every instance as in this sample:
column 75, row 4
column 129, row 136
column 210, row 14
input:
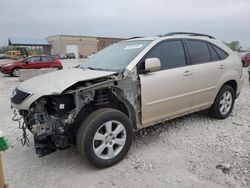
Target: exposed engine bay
column 54, row 119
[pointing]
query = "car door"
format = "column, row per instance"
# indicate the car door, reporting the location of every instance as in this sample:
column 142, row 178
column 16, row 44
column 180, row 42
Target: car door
column 169, row 91
column 32, row 62
column 46, row 62
column 207, row 68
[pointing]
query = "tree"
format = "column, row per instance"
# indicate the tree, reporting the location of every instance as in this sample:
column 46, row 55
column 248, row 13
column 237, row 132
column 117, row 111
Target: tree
column 234, row 45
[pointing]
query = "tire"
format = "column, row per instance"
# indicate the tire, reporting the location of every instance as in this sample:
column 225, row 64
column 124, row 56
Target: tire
column 95, row 142
column 15, row 72
column 57, row 68
column 244, row 64
column 224, row 103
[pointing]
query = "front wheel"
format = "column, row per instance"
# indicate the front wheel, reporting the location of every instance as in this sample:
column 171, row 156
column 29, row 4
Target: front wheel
column 224, row 103
column 15, row 72
column 104, row 137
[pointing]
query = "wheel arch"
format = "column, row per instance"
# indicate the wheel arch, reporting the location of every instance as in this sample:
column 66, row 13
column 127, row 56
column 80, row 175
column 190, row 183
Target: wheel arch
column 233, row 84
column 116, row 101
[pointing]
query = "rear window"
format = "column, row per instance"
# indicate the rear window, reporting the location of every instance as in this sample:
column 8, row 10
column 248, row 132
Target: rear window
column 213, row 53
column 46, row 58
column 221, row 53
column 198, row 51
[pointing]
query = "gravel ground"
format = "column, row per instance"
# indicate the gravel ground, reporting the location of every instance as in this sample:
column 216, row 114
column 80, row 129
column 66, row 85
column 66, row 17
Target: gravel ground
column 192, row 151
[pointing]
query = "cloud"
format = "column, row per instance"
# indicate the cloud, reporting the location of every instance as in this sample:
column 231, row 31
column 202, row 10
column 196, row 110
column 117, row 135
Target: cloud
column 225, row 19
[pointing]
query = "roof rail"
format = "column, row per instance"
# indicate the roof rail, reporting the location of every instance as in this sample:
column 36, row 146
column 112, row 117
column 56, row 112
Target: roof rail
column 135, row 37
column 187, row 33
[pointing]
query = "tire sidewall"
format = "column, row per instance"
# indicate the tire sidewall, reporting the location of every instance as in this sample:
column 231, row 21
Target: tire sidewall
column 88, row 142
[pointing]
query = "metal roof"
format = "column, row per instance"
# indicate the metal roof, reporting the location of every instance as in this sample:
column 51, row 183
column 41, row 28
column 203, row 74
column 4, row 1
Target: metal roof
column 28, row 42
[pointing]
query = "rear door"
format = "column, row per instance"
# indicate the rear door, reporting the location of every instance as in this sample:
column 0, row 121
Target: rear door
column 207, row 67
column 169, row 91
column 46, row 62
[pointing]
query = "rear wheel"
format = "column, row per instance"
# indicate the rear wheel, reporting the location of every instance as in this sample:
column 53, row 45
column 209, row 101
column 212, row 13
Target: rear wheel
column 57, row 68
column 15, row 72
column 244, row 64
column 104, row 137
column 224, row 102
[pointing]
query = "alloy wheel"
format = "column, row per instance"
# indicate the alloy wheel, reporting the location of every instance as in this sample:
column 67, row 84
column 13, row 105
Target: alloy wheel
column 226, row 102
column 109, row 139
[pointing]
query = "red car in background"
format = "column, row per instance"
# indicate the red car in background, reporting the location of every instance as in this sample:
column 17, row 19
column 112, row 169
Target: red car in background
column 33, row 62
column 245, row 58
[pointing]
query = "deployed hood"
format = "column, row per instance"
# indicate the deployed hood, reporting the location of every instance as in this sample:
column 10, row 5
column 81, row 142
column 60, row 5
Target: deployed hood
column 56, row 82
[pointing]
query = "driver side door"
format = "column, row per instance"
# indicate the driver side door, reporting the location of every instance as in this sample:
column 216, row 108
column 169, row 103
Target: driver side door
column 169, row 91
column 32, row 62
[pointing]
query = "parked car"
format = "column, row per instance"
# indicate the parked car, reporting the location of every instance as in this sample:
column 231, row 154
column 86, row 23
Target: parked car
column 34, row 62
column 13, row 54
column 125, row 87
column 245, row 58
column 70, row 55
column 2, row 56
column 63, row 56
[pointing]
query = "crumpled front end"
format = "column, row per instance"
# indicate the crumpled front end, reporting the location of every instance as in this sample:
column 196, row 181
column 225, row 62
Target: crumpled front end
column 53, row 113
column 48, row 121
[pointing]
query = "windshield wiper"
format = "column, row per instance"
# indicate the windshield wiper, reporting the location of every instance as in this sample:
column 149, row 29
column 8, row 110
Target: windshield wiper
column 91, row 68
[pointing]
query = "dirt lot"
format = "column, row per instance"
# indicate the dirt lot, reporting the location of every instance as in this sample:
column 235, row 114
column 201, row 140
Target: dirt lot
column 180, row 153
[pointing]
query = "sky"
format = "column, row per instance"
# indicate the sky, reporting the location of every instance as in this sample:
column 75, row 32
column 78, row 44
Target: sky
column 226, row 20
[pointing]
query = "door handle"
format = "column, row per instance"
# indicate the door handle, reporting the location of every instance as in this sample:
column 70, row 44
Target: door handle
column 222, row 66
column 187, row 73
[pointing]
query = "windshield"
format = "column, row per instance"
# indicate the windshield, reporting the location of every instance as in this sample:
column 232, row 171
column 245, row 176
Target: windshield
column 115, row 57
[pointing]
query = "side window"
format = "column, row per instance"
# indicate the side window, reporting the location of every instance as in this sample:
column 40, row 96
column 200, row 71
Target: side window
column 46, row 58
column 34, row 59
column 198, row 51
column 213, row 53
column 222, row 54
column 170, row 53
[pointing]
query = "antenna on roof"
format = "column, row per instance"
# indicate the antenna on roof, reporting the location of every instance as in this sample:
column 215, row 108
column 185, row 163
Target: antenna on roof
column 187, row 33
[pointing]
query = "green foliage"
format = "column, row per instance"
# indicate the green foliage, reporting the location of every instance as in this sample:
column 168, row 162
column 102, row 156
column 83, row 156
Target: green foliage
column 234, row 45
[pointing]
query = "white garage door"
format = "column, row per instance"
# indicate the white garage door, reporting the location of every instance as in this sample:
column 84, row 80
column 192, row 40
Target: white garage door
column 72, row 49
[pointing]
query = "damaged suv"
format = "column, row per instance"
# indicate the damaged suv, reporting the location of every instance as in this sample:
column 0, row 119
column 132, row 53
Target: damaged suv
column 125, row 87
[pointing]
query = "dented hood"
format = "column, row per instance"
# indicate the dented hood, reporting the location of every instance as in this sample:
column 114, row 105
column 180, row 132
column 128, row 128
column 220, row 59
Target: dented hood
column 56, row 82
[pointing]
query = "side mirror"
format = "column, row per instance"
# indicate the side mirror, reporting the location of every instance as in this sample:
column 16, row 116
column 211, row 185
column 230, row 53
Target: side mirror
column 152, row 64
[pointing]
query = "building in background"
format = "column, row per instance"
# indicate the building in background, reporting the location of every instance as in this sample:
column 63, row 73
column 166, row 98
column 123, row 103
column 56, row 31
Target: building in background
column 26, row 45
column 81, row 46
